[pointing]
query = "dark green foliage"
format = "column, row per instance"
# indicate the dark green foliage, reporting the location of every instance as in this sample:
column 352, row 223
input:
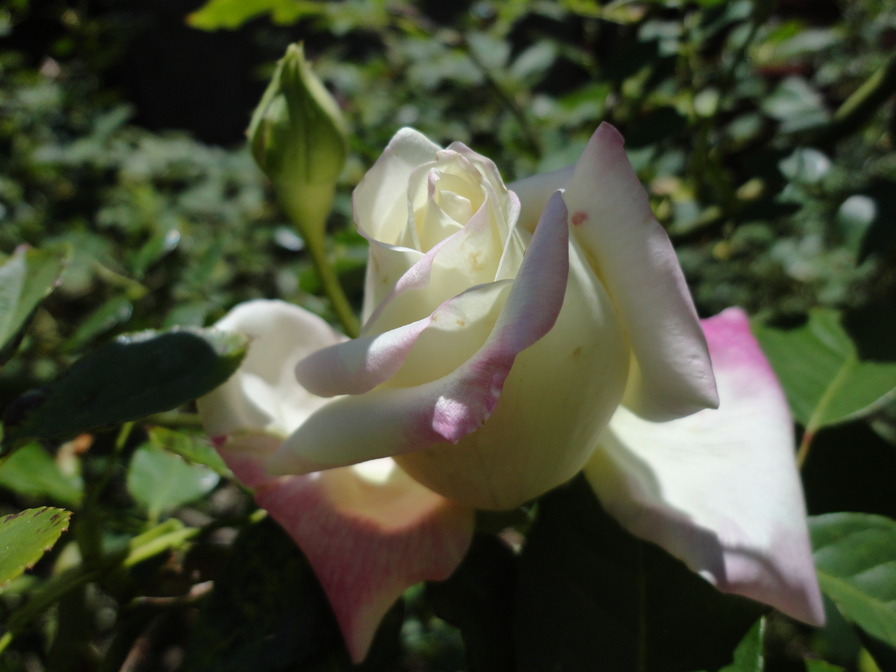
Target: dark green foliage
column 627, row 604
column 135, row 376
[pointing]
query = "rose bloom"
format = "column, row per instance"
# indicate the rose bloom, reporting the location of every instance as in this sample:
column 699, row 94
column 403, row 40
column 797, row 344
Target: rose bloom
column 512, row 337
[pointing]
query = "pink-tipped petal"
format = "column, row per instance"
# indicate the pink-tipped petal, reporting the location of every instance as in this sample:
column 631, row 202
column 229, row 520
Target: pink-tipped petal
column 263, row 395
column 359, row 365
column 368, row 531
column 393, row 421
column 719, row 489
column 611, row 218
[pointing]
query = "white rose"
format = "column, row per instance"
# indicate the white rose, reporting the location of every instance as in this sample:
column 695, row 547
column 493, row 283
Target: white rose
column 503, row 329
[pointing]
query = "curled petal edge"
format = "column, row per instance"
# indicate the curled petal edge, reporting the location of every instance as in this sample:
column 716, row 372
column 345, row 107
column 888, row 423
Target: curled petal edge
column 719, row 489
column 388, row 422
column 367, row 538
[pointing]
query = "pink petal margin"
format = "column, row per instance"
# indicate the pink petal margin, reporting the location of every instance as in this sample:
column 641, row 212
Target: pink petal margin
column 719, row 489
column 612, row 220
column 366, row 542
column 385, row 422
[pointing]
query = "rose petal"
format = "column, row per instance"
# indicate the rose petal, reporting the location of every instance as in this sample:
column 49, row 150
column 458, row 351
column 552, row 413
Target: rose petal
column 368, row 531
column 719, row 489
column 631, row 254
column 393, row 421
column 381, row 211
column 380, row 199
column 556, row 401
column 671, row 375
column 454, row 264
column 445, row 340
column 535, row 191
column 263, row 394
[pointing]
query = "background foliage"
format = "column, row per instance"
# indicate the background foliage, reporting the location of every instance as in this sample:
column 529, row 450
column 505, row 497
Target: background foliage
column 764, row 132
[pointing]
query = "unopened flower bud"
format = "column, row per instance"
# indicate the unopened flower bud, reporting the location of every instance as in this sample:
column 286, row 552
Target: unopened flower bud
column 298, row 138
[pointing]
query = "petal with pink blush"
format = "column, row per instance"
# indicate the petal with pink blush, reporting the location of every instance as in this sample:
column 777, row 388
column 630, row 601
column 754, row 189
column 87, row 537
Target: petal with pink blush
column 611, row 218
column 357, row 366
column 262, row 395
column 368, row 531
column 719, row 489
column 394, row 421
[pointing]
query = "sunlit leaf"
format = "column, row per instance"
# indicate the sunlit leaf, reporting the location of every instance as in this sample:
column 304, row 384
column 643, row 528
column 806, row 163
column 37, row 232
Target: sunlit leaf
column 194, row 448
column 855, row 554
column 796, row 105
column 163, row 482
column 748, row 656
column 26, row 536
column 32, row 472
column 825, row 380
column 230, row 14
column 130, row 378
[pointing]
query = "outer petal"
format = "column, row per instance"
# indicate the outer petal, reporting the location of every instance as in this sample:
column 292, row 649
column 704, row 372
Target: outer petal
column 369, row 532
column 719, row 489
column 671, row 374
column 359, row 365
column 394, row 421
column 557, row 399
column 263, row 395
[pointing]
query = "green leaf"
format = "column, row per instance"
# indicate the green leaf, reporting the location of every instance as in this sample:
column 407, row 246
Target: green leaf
column 748, row 656
column 162, row 482
column 25, row 279
column 822, row 666
column 855, row 555
column 32, row 472
column 823, row 376
column 130, row 378
column 231, row 14
column 591, row 596
column 26, row 536
column 193, row 448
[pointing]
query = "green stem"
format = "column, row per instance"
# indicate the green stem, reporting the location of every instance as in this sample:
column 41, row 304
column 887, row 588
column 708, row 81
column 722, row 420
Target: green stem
column 860, row 106
column 802, row 453
column 158, row 544
column 175, row 419
column 333, row 288
column 308, row 208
